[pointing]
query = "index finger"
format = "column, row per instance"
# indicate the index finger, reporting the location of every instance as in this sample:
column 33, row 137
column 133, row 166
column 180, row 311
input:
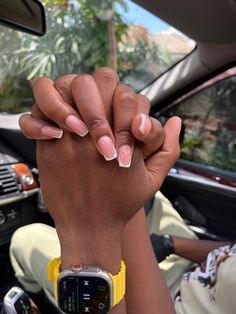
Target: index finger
column 54, row 106
column 90, row 104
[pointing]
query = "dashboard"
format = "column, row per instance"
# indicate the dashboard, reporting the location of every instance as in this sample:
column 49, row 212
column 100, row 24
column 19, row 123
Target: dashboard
column 19, row 187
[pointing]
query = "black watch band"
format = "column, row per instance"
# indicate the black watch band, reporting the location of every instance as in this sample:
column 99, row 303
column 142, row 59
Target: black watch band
column 163, row 246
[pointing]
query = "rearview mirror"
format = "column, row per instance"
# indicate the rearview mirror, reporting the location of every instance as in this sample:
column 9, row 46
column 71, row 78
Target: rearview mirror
column 25, row 15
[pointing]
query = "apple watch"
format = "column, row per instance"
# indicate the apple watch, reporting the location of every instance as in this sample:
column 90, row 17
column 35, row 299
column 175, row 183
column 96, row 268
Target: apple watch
column 86, row 289
column 16, row 301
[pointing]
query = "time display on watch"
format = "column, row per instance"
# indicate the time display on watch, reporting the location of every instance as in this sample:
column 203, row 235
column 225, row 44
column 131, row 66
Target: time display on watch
column 83, row 295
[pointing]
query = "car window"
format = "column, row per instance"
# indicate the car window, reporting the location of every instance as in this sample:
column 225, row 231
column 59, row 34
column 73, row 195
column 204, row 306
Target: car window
column 209, row 124
column 80, row 38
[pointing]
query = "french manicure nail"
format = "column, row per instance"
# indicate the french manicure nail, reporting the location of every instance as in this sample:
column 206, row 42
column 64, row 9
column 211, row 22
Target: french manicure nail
column 107, row 148
column 180, row 124
column 125, row 154
column 145, row 125
column 52, row 132
column 76, row 125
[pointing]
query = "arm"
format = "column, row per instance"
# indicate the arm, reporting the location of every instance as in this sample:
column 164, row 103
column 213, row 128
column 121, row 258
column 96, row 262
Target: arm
column 101, row 197
column 146, row 288
column 195, row 250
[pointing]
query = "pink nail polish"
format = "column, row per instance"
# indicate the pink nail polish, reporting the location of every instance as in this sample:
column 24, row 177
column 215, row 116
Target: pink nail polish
column 125, row 155
column 107, row 148
column 52, row 132
column 76, row 125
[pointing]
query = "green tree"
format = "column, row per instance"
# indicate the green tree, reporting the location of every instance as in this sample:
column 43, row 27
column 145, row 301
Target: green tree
column 82, row 35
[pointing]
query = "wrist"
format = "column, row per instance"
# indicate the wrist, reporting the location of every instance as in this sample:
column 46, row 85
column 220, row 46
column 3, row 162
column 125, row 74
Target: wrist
column 91, row 246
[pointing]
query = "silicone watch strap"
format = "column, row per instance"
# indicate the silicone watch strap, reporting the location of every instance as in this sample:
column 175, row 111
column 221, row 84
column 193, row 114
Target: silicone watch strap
column 54, row 269
column 119, row 284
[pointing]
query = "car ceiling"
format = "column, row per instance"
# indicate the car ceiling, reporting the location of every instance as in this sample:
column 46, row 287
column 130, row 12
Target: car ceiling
column 212, row 24
column 208, row 20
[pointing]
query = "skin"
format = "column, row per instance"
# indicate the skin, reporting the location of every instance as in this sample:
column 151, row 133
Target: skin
column 104, row 214
column 195, row 250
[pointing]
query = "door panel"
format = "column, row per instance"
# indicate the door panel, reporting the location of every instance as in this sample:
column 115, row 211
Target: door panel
column 214, row 201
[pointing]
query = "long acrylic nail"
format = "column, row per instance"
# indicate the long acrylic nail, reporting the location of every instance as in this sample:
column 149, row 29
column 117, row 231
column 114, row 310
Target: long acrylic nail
column 107, row 148
column 52, row 132
column 125, row 155
column 145, row 125
column 76, row 125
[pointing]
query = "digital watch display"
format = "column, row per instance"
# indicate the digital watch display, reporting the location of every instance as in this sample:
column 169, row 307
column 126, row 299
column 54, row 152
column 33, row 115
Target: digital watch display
column 16, row 301
column 81, row 293
column 86, row 288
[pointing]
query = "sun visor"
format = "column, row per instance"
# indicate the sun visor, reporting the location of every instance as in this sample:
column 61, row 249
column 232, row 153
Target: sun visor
column 208, row 20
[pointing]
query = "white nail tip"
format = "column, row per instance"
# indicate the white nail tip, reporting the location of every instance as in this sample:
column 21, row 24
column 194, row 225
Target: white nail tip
column 142, row 124
column 112, row 157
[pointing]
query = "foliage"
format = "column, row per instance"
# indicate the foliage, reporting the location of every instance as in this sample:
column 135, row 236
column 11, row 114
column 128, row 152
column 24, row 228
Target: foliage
column 76, row 41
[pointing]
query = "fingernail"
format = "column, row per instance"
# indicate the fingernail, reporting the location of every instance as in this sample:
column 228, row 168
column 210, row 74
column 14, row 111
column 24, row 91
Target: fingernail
column 125, row 155
column 107, row 148
column 145, row 125
column 180, row 124
column 76, row 125
column 52, row 132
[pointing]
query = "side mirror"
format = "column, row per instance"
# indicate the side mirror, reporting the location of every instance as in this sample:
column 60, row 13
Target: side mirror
column 24, row 15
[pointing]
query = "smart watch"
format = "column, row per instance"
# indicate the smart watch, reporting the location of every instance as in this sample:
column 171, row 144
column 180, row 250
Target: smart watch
column 86, row 289
column 16, row 301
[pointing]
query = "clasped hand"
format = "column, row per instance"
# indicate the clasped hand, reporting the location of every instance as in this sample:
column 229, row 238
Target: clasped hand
column 111, row 158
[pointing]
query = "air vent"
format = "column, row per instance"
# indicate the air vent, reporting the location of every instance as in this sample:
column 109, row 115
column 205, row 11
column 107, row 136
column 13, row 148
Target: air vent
column 8, row 183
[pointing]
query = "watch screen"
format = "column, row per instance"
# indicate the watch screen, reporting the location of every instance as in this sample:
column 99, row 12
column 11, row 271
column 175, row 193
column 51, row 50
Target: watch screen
column 83, row 295
column 22, row 305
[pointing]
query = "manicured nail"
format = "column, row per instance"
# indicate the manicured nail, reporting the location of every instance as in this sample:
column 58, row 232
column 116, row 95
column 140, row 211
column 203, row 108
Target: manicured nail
column 125, row 154
column 107, row 148
column 76, row 125
column 180, row 124
column 52, row 132
column 145, row 125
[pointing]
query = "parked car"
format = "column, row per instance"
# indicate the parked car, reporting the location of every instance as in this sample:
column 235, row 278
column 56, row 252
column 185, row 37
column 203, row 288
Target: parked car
column 193, row 77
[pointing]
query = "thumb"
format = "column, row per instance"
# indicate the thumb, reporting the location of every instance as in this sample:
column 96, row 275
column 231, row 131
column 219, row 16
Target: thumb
column 159, row 164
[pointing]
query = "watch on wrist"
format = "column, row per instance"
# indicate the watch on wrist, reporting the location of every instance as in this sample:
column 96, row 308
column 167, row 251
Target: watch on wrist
column 86, row 289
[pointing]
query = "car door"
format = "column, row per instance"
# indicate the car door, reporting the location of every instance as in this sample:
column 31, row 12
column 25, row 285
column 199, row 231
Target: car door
column 202, row 184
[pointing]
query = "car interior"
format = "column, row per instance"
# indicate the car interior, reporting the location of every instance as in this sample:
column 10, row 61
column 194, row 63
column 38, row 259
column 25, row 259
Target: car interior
column 201, row 187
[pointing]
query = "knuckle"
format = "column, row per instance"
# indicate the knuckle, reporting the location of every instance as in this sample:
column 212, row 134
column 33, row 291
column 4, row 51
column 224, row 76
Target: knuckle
column 95, row 123
column 122, row 88
column 64, row 82
column 107, row 74
column 144, row 102
column 128, row 97
column 53, row 114
column 124, row 134
column 85, row 79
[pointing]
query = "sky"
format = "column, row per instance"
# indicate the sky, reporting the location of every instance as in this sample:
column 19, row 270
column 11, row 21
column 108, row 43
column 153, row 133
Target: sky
column 137, row 15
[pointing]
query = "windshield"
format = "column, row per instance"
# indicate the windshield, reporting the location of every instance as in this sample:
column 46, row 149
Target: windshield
column 82, row 36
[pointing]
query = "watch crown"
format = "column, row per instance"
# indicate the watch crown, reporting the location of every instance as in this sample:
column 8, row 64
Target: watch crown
column 77, row 267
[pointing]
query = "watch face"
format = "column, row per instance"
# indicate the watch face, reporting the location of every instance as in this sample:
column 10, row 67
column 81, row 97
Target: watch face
column 83, row 295
column 22, row 305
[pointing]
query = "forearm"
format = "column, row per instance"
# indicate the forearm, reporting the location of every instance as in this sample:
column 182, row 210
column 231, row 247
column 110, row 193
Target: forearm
column 93, row 246
column 195, row 250
column 146, row 289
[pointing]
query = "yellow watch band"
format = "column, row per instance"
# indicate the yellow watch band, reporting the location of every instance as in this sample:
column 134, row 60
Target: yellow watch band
column 119, row 284
column 54, row 269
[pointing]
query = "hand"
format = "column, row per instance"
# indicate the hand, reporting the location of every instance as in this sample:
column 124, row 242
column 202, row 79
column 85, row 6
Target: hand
column 97, row 206
column 55, row 107
column 123, row 96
